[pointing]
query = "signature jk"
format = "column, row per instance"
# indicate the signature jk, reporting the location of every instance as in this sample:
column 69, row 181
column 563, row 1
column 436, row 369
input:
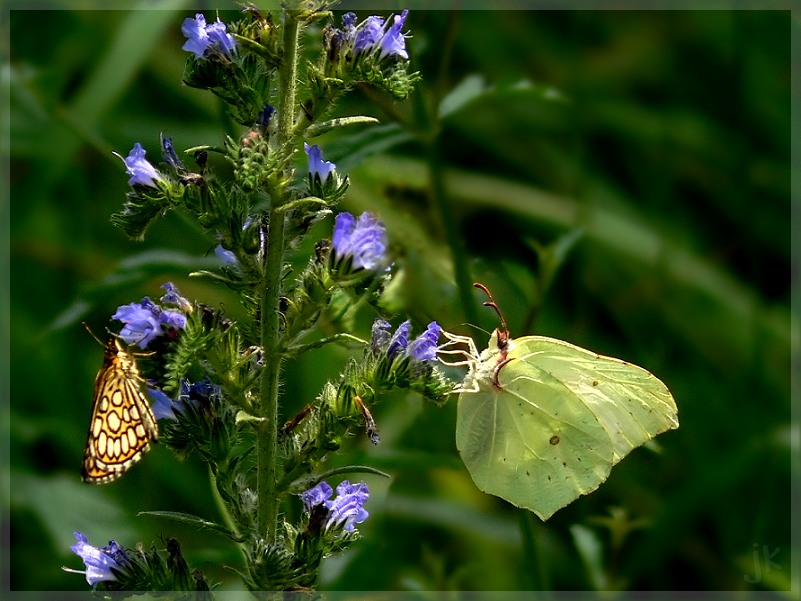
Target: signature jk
column 768, row 556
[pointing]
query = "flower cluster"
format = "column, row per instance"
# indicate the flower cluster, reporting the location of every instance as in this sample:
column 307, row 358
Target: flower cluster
column 101, row 562
column 362, row 240
column 396, row 345
column 343, row 511
column 203, row 39
column 371, row 36
column 145, row 320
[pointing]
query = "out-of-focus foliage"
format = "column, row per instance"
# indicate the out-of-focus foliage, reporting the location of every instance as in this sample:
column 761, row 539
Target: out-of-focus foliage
column 619, row 180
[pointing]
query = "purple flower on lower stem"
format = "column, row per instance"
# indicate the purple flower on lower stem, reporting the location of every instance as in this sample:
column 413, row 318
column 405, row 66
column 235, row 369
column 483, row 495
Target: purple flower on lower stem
column 317, row 166
column 345, row 510
column 201, row 36
column 364, row 239
column 393, row 41
column 99, row 561
column 139, row 168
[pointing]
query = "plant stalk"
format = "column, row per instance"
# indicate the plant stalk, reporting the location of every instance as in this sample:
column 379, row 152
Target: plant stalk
column 270, row 293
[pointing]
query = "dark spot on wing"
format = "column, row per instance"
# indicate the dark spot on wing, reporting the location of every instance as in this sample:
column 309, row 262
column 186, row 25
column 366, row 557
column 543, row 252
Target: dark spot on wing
column 554, row 440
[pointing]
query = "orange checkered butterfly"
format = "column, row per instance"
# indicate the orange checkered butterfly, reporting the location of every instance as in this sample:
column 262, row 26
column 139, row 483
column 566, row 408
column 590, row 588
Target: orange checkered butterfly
column 122, row 423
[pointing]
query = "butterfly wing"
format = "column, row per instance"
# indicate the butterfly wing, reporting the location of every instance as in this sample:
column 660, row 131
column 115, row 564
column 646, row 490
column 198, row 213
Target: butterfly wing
column 550, row 420
column 122, row 423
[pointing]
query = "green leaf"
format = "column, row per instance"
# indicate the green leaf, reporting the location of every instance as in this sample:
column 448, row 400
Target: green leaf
column 187, row 518
column 473, row 88
column 318, row 129
column 591, row 552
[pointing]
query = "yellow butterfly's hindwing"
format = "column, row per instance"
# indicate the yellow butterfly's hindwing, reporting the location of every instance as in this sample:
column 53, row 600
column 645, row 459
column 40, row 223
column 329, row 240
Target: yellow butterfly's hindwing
column 122, row 423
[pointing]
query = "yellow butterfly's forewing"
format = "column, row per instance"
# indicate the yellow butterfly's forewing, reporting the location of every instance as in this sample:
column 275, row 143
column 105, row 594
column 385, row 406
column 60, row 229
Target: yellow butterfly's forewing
column 122, row 424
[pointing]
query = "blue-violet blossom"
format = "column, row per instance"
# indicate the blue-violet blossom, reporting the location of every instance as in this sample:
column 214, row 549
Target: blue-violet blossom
column 393, row 41
column 143, row 321
column 173, row 297
column 424, row 347
column 99, row 561
column 421, row 349
column 190, row 394
column 317, row 166
column 368, row 34
column 364, row 239
column 345, row 510
column 139, row 168
column 201, row 36
column 169, row 155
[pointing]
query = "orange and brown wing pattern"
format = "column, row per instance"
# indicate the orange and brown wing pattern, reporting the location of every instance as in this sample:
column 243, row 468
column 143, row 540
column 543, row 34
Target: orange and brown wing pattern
column 122, row 424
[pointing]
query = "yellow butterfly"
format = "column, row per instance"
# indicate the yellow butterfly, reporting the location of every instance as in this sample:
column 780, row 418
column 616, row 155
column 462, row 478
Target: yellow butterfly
column 122, row 424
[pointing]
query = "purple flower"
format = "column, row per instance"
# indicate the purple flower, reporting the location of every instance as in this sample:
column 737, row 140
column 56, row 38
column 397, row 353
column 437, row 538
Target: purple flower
column 363, row 239
column 140, row 322
column 399, row 341
column 139, row 168
column 349, row 20
column 263, row 119
column 397, row 345
column 226, row 256
column 99, row 561
column 345, row 510
column 317, row 166
column 163, row 406
column 393, row 41
column 193, row 394
column 368, row 34
column 173, row 297
column 144, row 321
column 169, row 155
column 317, row 495
column 424, row 347
column 201, row 36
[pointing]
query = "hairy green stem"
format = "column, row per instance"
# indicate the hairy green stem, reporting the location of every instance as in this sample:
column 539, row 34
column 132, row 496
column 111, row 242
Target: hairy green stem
column 270, row 293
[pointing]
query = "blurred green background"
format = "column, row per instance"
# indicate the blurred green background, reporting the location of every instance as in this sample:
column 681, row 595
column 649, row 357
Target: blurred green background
column 620, row 180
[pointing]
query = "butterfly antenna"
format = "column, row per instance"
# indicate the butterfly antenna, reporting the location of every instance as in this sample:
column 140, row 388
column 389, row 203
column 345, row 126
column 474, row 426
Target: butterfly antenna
column 92, row 334
column 503, row 334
